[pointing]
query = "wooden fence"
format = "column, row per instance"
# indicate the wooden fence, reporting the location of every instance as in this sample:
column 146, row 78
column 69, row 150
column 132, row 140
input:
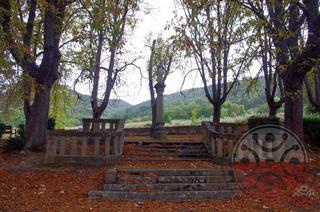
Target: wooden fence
column 220, row 139
column 88, row 147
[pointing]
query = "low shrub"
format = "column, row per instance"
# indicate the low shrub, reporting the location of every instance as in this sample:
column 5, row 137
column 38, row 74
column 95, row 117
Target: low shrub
column 19, row 141
column 255, row 121
column 311, row 126
column 147, row 125
column 167, row 118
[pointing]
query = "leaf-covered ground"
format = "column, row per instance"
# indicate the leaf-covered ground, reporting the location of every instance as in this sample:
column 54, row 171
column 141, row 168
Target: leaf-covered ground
column 27, row 185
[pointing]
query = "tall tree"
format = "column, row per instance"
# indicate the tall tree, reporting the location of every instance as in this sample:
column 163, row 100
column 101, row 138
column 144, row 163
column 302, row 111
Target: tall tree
column 296, row 52
column 272, row 80
column 159, row 67
column 102, row 42
column 214, row 35
column 28, row 26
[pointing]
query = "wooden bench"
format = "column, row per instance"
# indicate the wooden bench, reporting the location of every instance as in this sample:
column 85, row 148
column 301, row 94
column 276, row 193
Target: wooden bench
column 10, row 131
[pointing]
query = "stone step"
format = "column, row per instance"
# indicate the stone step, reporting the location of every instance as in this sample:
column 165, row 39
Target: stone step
column 170, row 146
column 154, row 159
column 142, row 143
column 128, row 152
column 166, row 154
column 156, row 150
column 173, row 187
column 197, row 148
column 179, row 172
column 139, row 184
column 176, row 179
column 168, row 196
column 167, row 145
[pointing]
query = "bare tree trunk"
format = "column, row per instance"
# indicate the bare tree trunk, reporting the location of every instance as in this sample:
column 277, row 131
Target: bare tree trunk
column 151, row 89
column 273, row 110
column 216, row 113
column 96, row 78
column 38, row 119
column 27, row 87
column 154, row 115
column 112, row 73
column 293, row 114
column 96, row 114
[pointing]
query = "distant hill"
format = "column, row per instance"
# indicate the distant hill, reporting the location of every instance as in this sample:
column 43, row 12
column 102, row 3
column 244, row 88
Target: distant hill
column 82, row 108
column 71, row 115
column 180, row 105
column 186, row 105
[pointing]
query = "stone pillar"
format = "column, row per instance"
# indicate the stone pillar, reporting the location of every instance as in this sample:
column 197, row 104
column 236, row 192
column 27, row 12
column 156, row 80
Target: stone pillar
column 159, row 132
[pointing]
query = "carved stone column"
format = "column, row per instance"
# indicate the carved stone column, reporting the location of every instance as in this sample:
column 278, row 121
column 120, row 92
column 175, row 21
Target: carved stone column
column 159, row 132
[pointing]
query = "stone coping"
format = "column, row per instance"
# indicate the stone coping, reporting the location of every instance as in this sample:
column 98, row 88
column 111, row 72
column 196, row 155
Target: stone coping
column 102, row 120
column 78, row 133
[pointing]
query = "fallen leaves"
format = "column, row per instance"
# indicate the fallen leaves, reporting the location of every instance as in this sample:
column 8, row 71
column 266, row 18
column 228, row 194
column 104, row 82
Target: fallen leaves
column 27, row 185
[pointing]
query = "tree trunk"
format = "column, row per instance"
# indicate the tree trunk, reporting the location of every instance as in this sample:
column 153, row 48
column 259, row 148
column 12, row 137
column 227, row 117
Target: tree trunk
column 151, row 89
column 96, row 114
column 36, row 126
column 272, row 110
column 216, row 113
column 154, row 114
column 27, row 91
column 293, row 113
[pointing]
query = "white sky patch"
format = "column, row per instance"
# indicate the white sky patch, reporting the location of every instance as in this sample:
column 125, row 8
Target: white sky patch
column 135, row 91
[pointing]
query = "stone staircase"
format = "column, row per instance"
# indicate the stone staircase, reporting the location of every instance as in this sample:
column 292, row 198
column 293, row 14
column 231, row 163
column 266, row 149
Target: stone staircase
column 168, row 184
column 140, row 184
column 165, row 151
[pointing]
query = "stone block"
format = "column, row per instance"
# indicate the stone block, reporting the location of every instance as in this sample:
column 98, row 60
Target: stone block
column 111, row 176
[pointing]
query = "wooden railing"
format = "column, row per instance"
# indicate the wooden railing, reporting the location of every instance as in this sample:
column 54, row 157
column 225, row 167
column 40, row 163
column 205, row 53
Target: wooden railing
column 221, row 139
column 97, row 125
column 71, row 146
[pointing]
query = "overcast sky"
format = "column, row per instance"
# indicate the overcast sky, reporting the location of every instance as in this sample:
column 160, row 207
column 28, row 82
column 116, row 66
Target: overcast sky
column 135, row 92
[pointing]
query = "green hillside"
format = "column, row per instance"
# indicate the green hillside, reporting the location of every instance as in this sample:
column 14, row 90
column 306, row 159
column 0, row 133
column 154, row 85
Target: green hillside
column 82, row 108
column 193, row 102
column 190, row 104
column 68, row 109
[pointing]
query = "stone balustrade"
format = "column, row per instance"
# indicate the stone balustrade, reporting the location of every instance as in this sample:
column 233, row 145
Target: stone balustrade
column 103, row 146
column 220, row 139
column 96, row 125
